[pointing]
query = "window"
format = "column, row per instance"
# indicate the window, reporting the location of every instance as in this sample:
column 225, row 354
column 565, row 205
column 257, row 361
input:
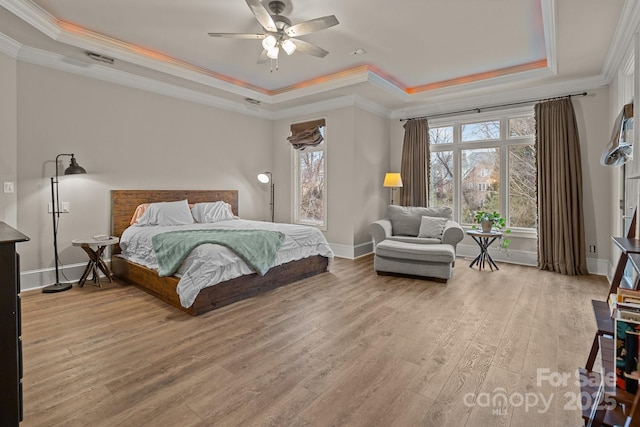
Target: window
column 310, row 194
column 485, row 162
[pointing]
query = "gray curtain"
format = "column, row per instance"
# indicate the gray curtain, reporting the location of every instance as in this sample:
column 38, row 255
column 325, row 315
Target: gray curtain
column 414, row 168
column 561, row 242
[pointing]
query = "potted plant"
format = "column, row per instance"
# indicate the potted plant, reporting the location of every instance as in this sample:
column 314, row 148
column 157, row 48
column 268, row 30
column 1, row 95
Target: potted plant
column 493, row 220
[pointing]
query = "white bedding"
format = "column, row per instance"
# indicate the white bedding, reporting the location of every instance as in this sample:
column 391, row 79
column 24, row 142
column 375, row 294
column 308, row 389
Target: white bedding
column 210, row 264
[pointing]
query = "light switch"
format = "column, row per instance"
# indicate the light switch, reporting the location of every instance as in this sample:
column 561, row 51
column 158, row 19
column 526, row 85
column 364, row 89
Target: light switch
column 8, row 187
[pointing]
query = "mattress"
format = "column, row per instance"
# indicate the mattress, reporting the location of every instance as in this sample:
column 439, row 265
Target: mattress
column 210, row 264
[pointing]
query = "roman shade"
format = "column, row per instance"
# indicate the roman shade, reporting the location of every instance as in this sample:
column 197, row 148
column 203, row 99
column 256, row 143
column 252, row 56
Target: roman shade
column 306, row 134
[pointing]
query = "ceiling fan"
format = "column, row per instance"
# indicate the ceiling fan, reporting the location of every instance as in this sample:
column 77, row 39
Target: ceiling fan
column 279, row 33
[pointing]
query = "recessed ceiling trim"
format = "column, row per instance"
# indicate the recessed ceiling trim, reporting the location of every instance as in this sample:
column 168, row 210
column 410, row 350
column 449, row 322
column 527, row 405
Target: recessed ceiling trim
column 388, row 84
column 332, row 104
column 80, row 37
column 112, row 75
column 627, row 24
column 486, row 75
column 33, row 15
column 9, row 46
column 549, row 26
column 435, row 105
column 76, row 36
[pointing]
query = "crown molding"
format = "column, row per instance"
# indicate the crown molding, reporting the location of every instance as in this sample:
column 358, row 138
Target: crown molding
column 59, row 62
column 436, row 105
column 504, row 97
column 85, row 39
column 104, row 73
column 388, row 86
column 549, row 25
column 332, row 104
column 9, row 46
column 628, row 24
column 33, row 15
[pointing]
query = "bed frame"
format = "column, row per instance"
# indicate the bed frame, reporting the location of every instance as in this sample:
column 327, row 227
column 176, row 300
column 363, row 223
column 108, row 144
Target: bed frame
column 123, row 205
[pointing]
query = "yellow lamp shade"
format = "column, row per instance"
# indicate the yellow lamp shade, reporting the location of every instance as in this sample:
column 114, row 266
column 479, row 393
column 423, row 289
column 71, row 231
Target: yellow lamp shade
column 392, row 179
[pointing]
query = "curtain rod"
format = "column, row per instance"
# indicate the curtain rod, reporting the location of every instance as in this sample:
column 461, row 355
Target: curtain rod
column 477, row 110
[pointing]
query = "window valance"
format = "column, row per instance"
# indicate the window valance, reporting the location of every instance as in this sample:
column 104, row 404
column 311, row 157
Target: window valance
column 306, row 134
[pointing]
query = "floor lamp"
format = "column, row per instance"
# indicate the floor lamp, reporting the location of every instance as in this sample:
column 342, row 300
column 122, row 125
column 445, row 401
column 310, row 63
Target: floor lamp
column 74, row 168
column 265, row 178
column 393, row 180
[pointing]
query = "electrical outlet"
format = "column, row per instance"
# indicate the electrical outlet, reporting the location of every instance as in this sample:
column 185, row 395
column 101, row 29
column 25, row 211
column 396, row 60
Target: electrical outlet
column 592, row 248
column 8, row 187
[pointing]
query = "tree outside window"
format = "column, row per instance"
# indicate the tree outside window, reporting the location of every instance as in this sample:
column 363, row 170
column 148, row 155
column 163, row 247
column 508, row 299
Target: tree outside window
column 487, row 164
column 310, row 184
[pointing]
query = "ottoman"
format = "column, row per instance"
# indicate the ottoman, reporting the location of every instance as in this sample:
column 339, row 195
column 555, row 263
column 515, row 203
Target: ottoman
column 414, row 259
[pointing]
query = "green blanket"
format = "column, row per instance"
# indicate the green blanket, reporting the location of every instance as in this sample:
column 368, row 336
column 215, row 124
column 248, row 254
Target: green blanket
column 258, row 248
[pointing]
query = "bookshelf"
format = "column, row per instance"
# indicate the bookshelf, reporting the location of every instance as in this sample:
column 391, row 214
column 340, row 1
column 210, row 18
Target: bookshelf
column 610, row 396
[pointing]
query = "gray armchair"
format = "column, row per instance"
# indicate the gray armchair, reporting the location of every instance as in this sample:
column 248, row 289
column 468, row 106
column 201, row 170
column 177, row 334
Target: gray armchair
column 416, row 241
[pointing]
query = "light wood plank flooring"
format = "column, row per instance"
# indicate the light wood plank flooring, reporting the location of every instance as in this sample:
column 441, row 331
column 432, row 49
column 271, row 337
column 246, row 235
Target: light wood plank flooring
column 344, row 348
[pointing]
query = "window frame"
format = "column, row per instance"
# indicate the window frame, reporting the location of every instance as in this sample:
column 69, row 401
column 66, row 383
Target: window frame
column 295, row 187
column 457, row 146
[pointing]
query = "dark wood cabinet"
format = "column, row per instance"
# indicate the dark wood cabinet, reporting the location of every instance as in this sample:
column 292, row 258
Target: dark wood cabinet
column 10, row 327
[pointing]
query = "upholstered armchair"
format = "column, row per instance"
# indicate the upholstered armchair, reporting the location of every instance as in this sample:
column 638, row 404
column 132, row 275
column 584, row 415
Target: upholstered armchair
column 416, row 241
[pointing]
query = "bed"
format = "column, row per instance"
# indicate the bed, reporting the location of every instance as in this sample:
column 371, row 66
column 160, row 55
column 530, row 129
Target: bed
column 123, row 206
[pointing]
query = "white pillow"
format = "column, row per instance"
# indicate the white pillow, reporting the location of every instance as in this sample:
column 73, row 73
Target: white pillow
column 167, row 213
column 211, row 212
column 432, row 227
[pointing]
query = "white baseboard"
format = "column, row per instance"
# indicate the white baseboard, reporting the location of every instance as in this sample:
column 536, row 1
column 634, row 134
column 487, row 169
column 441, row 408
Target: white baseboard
column 37, row 279
column 351, row 252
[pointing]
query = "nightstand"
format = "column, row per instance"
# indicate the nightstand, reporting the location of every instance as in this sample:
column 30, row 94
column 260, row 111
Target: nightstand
column 95, row 258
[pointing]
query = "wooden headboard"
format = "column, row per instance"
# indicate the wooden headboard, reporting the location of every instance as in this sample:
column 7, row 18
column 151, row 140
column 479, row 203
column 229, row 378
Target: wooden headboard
column 125, row 202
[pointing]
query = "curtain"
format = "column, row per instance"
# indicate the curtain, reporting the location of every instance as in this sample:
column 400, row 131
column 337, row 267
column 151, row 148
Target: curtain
column 561, row 241
column 414, row 168
column 306, row 134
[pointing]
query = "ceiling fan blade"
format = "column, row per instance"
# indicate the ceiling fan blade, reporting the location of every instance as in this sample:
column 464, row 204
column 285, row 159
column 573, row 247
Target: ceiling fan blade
column 252, row 36
column 263, row 57
column 311, row 26
column 262, row 15
column 310, row 49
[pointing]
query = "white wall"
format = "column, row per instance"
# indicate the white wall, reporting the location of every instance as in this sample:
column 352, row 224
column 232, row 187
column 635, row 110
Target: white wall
column 592, row 117
column 126, row 139
column 357, row 158
column 8, row 139
column 371, row 152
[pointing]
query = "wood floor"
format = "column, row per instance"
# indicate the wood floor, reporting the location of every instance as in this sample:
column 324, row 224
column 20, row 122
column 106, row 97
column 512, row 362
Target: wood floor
column 343, row 348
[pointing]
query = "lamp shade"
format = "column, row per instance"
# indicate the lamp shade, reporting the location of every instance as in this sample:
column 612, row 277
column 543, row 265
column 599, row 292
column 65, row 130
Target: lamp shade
column 74, row 167
column 288, row 46
column 269, row 42
column 264, row 177
column 273, row 52
column 392, row 179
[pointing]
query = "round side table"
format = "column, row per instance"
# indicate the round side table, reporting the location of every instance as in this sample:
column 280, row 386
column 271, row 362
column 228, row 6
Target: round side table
column 484, row 240
column 95, row 258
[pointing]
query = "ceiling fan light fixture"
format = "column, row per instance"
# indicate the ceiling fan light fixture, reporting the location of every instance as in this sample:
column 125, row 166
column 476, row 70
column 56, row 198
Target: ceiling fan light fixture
column 288, row 46
column 273, row 52
column 269, row 42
